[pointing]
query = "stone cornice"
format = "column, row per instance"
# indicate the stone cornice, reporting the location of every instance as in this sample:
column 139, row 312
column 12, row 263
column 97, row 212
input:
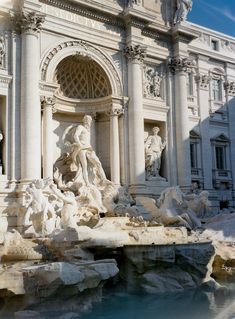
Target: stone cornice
column 24, row 21
column 5, row 80
column 136, row 53
column 113, row 13
column 91, row 12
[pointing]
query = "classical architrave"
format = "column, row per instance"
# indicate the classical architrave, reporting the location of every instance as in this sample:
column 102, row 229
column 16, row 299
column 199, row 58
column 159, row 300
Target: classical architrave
column 83, row 48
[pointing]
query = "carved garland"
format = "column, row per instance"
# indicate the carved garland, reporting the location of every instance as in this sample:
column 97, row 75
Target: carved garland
column 86, row 50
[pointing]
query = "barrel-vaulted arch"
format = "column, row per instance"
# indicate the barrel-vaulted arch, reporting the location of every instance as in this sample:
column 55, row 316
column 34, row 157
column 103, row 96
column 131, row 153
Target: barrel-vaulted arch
column 84, row 49
column 99, row 91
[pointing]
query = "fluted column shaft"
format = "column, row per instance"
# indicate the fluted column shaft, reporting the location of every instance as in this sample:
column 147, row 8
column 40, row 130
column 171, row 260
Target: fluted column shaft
column 47, row 145
column 114, row 145
column 135, row 57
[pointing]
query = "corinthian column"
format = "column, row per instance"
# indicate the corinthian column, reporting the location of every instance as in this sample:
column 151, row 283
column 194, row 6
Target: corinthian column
column 135, row 56
column 47, row 145
column 114, row 145
column 29, row 23
column 179, row 67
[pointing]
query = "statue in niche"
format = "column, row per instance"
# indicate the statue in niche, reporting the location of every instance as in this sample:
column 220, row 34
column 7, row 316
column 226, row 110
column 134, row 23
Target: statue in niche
column 182, row 9
column 153, row 152
column 1, row 164
column 152, row 83
column 80, row 171
column 82, row 153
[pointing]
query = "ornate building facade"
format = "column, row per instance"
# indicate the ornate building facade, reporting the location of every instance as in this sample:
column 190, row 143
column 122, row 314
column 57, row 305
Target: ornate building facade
column 131, row 65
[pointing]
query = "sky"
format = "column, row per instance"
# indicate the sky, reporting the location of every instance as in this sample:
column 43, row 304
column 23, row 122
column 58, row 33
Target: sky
column 218, row 15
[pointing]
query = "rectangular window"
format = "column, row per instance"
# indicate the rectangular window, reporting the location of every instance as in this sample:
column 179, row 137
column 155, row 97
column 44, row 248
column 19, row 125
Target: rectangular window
column 189, row 84
column 214, row 45
column 216, row 90
column 193, row 155
column 220, row 157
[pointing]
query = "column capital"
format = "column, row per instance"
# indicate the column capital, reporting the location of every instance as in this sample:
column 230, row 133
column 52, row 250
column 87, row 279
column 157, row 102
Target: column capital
column 203, row 80
column 115, row 112
column 179, row 64
column 229, row 87
column 28, row 22
column 135, row 53
column 48, row 101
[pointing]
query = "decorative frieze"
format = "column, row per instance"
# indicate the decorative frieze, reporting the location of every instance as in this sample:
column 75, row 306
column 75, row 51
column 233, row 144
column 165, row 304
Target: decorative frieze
column 136, row 53
column 181, row 64
column 203, row 80
column 28, row 21
column 229, row 87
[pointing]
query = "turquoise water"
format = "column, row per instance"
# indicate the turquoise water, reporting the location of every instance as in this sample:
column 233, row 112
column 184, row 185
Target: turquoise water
column 188, row 305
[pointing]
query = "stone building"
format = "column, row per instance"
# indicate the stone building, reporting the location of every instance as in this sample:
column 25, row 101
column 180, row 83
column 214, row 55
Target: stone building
column 132, row 66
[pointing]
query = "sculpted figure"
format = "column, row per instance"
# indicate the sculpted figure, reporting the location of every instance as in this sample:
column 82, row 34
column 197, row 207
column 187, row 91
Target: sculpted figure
column 198, row 203
column 82, row 152
column 1, row 138
column 69, row 210
column 171, row 209
column 182, row 9
column 153, row 151
column 40, row 213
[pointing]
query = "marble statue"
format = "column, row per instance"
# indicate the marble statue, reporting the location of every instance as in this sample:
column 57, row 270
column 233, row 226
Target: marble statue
column 40, row 212
column 82, row 152
column 80, row 171
column 182, row 9
column 199, row 203
column 172, row 209
column 153, row 152
column 69, row 209
column 1, row 166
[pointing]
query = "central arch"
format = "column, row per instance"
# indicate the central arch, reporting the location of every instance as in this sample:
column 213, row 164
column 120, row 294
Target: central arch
column 80, row 48
column 85, row 81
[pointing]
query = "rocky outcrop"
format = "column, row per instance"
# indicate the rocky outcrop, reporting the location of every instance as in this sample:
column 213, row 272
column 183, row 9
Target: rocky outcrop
column 166, row 268
column 22, row 278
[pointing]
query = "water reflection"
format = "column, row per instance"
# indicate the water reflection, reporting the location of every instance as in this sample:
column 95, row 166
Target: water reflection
column 193, row 304
column 189, row 305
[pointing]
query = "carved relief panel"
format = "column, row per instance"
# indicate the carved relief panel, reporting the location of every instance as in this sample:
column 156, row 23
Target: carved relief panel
column 153, row 82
